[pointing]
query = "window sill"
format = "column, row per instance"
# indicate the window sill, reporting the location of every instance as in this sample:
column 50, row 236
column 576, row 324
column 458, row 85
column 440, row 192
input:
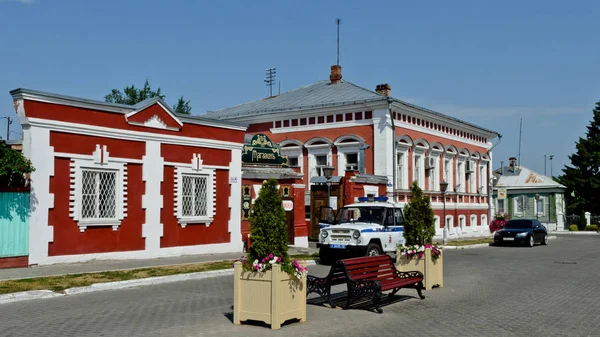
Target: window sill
column 183, row 222
column 84, row 224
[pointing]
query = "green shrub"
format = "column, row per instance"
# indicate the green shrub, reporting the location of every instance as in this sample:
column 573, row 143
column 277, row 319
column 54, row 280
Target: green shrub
column 573, row 228
column 593, row 228
column 582, row 222
column 419, row 228
column 267, row 224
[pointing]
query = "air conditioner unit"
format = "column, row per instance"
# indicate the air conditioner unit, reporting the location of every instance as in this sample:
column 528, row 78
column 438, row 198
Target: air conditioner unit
column 430, row 162
column 470, row 166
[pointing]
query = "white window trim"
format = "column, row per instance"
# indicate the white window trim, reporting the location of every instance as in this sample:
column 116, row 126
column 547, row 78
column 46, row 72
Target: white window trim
column 404, row 178
column 515, row 205
column 450, row 176
column 473, row 221
column 420, row 156
column 294, row 152
column 498, row 210
column 346, row 148
column 210, row 201
column 484, row 219
column 435, row 172
column 483, row 188
column 464, row 221
column 460, row 174
column 77, row 165
column 313, row 151
column 543, row 200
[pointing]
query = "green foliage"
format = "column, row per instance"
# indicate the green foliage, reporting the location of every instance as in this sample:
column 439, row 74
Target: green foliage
column 573, row 228
column 132, row 95
column 582, row 178
column 419, row 228
column 182, row 107
column 268, row 232
column 12, row 166
column 593, row 228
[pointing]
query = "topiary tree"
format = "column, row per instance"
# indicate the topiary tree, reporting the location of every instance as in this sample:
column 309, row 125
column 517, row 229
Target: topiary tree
column 582, row 222
column 419, row 228
column 267, row 224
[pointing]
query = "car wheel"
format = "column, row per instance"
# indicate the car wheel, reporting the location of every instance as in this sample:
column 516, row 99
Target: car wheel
column 545, row 240
column 325, row 256
column 530, row 242
column 373, row 249
column 497, row 243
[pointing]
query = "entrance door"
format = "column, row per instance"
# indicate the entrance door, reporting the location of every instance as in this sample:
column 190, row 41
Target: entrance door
column 318, row 199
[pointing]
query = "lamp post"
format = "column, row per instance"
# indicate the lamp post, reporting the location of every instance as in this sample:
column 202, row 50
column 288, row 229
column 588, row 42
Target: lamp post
column 537, row 201
column 443, row 188
column 328, row 173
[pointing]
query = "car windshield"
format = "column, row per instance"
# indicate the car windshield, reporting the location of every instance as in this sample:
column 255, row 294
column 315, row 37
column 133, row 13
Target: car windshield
column 362, row 214
column 519, row 224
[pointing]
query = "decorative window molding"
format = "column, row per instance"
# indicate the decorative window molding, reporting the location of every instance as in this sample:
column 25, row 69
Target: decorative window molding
column 293, row 151
column 419, row 168
column 484, row 220
column 473, row 220
column 519, row 205
column 540, row 206
column 98, row 191
column 402, row 168
column 315, row 151
column 195, row 193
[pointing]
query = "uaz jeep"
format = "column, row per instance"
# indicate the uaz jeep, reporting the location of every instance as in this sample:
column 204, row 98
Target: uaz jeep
column 370, row 227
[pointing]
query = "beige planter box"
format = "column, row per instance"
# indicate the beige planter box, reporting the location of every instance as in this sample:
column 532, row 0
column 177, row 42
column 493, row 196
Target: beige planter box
column 272, row 297
column 433, row 271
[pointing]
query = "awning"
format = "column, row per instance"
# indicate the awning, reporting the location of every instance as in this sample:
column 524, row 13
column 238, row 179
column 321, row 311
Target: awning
column 323, row 180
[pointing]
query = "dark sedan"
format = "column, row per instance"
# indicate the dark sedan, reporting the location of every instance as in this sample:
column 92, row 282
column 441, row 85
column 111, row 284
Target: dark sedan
column 522, row 231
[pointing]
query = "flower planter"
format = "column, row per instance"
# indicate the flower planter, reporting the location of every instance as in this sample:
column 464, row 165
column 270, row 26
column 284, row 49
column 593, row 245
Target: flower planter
column 433, row 270
column 272, row 296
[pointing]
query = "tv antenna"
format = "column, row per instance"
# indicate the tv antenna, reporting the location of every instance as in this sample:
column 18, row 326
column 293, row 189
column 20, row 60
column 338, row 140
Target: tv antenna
column 338, row 21
column 270, row 80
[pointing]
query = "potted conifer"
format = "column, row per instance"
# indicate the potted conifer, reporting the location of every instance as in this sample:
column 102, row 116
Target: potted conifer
column 419, row 253
column 268, row 285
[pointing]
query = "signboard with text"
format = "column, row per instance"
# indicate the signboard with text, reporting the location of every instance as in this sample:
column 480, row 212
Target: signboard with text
column 262, row 151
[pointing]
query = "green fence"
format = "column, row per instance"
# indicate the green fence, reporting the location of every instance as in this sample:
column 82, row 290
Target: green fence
column 14, row 224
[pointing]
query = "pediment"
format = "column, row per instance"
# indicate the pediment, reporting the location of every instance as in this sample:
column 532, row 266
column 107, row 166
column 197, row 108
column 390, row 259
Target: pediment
column 155, row 115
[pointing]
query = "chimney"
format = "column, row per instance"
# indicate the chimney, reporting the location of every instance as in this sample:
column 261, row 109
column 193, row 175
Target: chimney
column 513, row 161
column 336, row 74
column 383, row 89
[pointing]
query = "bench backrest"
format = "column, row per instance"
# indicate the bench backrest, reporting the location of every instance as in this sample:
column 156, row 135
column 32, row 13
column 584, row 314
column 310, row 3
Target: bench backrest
column 337, row 274
column 380, row 267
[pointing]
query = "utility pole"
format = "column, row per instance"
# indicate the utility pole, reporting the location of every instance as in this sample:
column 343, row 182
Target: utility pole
column 551, row 156
column 544, row 164
column 8, row 123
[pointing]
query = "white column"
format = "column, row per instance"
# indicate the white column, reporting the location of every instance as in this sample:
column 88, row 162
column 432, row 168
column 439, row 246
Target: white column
column 587, row 217
column 152, row 201
column 36, row 147
column 382, row 146
column 235, row 200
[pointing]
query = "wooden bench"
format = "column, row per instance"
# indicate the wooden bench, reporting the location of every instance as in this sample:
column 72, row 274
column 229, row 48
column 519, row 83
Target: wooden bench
column 371, row 275
column 322, row 285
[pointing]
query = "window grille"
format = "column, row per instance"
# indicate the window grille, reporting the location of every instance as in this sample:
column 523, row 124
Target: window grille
column 194, row 196
column 98, row 194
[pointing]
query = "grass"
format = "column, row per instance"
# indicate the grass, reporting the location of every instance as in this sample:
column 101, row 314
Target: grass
column 469, row 242
column 60, row 283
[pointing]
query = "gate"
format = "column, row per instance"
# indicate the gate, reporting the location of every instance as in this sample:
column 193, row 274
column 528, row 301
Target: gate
column 318, row 199
column 14, row 222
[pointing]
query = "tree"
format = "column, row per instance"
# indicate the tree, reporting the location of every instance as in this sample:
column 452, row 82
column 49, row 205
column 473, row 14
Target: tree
column 419, row 227
column 132, row 95
column 268, row 232
column 582, row 178
column 182, row 107
column 13, row 166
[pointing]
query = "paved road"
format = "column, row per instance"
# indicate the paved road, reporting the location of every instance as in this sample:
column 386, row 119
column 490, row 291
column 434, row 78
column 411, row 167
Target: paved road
column 492, row 291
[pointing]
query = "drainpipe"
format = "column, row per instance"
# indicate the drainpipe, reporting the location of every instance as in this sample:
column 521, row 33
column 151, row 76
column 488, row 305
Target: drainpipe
column 389, row 101
column 490, row 186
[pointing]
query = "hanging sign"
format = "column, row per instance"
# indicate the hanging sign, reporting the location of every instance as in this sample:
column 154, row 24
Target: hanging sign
column 262, row 151
column 288, row 205
column 501, row 193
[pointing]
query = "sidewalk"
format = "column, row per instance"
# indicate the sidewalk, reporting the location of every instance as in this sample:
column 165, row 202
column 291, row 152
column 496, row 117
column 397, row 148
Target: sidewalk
column 112, row 265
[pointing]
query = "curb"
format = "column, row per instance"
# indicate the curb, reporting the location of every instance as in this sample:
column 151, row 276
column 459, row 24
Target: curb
column 481, row 245
column 578, row 233
column 41, row 294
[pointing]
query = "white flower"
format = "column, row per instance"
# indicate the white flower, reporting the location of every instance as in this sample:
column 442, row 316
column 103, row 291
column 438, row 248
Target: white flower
column 255, row 262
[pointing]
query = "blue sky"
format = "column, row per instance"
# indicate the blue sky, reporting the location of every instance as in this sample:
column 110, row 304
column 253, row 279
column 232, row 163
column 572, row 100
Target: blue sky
column 490, row 63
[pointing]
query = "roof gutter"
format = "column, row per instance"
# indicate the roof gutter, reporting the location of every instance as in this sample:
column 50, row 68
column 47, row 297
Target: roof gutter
column 390, row 101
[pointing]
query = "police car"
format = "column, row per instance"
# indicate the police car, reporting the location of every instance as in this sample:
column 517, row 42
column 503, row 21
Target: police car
column 370, row 227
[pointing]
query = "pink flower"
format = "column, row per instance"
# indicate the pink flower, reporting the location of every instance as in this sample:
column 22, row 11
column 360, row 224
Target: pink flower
column 271, row 256
column 279, row 259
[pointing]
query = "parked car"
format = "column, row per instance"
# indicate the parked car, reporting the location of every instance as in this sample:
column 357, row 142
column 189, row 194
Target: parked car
column 522, row 231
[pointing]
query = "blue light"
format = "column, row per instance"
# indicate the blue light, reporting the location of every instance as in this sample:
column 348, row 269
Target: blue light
column 373, row 199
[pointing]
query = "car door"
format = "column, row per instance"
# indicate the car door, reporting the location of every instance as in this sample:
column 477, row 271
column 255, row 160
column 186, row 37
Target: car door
column 538, row 231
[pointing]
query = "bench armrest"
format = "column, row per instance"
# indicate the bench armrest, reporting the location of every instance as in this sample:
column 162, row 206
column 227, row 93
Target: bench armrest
column 363, row 288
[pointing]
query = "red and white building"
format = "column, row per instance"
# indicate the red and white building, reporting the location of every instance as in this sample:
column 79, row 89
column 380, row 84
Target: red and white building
column 114, row 181
column 337, row 123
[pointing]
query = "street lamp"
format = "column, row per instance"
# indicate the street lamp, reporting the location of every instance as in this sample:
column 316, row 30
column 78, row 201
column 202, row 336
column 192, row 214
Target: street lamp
column 443, row 188
column 537, row 201
column 328, row 173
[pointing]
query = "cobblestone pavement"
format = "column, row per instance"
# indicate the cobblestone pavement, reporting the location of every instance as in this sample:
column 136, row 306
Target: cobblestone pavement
column 490, row 291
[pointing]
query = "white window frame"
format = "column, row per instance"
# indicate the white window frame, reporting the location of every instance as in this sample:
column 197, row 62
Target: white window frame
column 503, row 209
column 402, row 168
column 516, row 205
column 482, row 180
column 419, row 168
column 313, row 152
column 77, row 167
column 473, row 182
column 294, row 152
column 473, row 221
column 449, row 171
column 537, row 209
column 460, row 175
column 484, row 219
column 462, row 222
column 434, row 173
column 343, row 150
column 210, row 196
